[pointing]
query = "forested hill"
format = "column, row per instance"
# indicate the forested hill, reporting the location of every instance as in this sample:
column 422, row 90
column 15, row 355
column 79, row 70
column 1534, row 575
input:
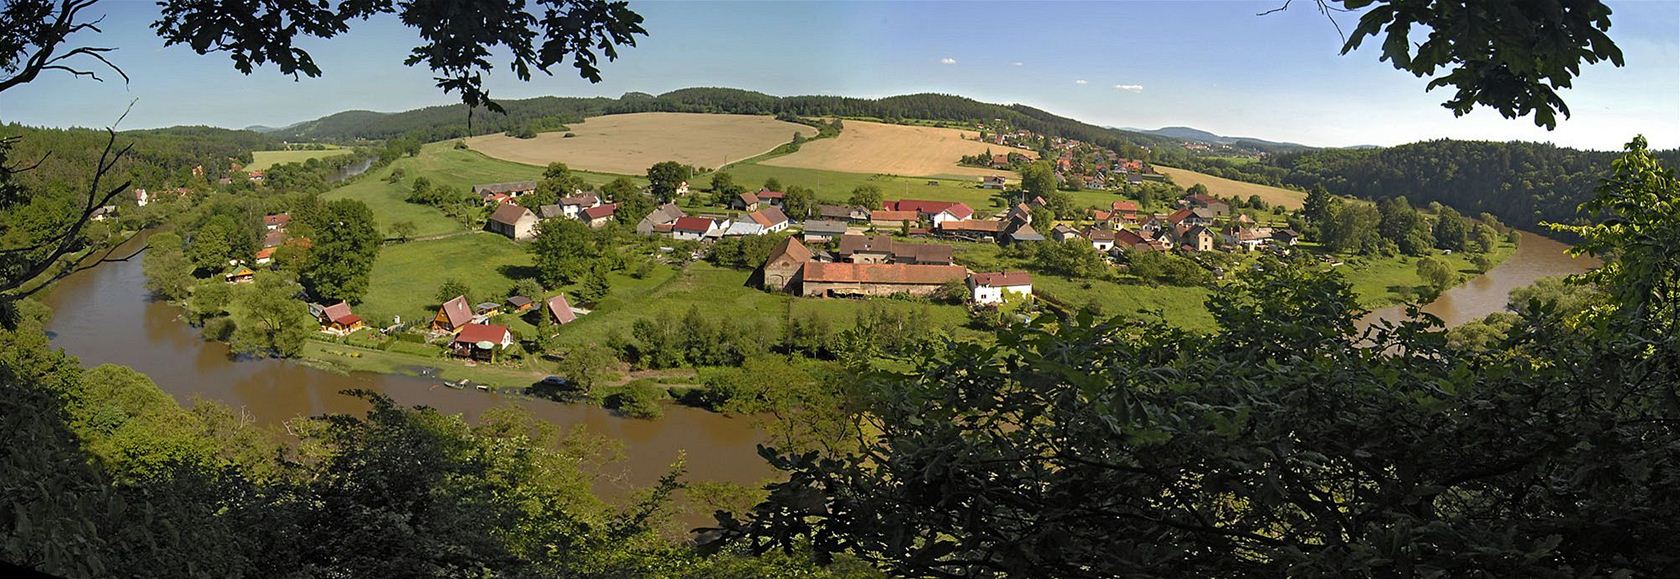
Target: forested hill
column 444, row 122
column 1522, row 183
column 158, row 157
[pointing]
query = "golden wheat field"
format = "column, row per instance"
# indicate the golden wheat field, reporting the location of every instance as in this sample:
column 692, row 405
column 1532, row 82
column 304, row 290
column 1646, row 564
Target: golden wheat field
column 1222, row 187
column 865, row 147
column 629, row 144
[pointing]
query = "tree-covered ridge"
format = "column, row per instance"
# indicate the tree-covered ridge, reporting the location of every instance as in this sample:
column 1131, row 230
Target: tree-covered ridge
column 445, row 122
column 159, row 156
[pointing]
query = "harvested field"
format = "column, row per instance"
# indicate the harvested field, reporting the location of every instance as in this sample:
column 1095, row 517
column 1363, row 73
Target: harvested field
column 262, row 160
column 1222, row 187
column 865, row 147
column 629, row 144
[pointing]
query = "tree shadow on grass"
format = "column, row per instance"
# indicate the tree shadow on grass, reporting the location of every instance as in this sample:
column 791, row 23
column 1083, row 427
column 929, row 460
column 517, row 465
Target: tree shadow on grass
column 518, row 271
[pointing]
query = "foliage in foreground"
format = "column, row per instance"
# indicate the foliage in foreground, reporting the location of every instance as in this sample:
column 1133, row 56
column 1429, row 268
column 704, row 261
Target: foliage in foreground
column 1288, row 444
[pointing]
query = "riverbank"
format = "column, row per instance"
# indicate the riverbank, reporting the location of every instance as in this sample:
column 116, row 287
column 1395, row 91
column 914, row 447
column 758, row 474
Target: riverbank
column 1386, row 281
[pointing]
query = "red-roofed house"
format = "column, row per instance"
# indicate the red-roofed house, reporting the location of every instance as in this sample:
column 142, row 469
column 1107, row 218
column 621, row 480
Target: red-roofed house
column 452, row 315
column 771, row 198
column 781, row 270
column 936, row 212
column 1127, row 209
column 559, row 311
column 481, row 341
column 889, row 218
column 337, row 319
column 693, row 228
column 989, row 288
column 276, row 221
column 598, row 216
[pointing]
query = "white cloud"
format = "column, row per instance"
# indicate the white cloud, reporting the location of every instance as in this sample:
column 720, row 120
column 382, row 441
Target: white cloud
column 947, row 60
column 1080, row 81
column 1129, row 87
column 1018, row 64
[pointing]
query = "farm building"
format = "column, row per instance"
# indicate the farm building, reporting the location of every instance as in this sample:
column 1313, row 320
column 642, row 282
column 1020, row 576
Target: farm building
column 782, row 269
column 888, row 218
column 876, row 279
column 744, row 202
column 885, row 249
column 664, row 215
column 513, row 221
column 512, row 189
column 992, row 182
column 823, row 231
column 989, row 288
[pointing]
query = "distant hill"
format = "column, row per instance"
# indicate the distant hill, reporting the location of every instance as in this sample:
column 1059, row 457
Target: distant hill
column 1198, row 135
column 550, row 113
column 260, row 129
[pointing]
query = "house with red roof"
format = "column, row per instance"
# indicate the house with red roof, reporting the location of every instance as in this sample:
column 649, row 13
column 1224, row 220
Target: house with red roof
column 876, row 279
column 452, row 315
column 598, row 216
column 481, row 341
column 694, row 228
column 337, row 319
column 559, row 311
column 990, row 288
column 936, row 212
column 276, row 221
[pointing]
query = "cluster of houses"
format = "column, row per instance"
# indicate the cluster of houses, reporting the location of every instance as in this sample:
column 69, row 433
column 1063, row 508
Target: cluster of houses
column 473, row 337
column 519, row 223
column 1092, row 166
column 878, row 265
column 1201, row 223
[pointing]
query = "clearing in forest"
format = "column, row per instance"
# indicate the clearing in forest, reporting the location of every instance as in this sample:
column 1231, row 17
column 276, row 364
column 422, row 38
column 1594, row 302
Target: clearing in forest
column 262, row 160
column 876, row 148
column 1221, row 187
column 628, row 144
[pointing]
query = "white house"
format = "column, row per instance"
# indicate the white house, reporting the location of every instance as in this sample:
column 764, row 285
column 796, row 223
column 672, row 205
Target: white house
column 770, row 218
column 696, row 228
column 570, row 206
column 141, row 198
column 989, row 288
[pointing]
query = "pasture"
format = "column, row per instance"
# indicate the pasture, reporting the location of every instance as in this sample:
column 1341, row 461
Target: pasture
column 1222, row 187
column 262, row 160
column 628, row 144
column 915, row 151
column 406, row 276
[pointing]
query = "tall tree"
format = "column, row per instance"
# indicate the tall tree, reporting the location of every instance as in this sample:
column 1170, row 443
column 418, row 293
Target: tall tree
column 867, row 196
column 168, row 272
column 799, row 202
column 564, row 251
column 1452, row 230
column 344, row 248
column 271, row 320
column 665, row 177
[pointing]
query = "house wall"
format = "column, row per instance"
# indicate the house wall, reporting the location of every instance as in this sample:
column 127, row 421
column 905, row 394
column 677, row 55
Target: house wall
column 824, row 289
column 870, row 257
column 780, row 274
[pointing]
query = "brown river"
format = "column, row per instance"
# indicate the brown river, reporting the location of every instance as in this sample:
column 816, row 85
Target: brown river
column 104, row 316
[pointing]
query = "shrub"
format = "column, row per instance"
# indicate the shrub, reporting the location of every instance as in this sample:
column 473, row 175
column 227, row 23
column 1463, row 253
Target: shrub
column 219, row 329
column 637, row 400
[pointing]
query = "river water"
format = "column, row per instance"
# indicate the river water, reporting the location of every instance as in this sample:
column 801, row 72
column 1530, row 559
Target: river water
column 103, row 315
column 1536, row 257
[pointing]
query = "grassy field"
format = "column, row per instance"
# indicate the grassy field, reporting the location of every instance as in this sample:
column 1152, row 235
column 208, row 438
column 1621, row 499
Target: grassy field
column 262, row 160
column 629, row 144
column 917, row 151
column 406, row 276
column 1382, row 281
column 443, row 165
column 1222, row 187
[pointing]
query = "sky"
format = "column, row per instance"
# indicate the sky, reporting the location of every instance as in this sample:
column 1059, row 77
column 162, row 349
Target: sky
column 1216, row 66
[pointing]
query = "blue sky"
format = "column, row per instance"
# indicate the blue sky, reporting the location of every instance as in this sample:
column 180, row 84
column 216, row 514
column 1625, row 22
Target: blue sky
column 1211, row 65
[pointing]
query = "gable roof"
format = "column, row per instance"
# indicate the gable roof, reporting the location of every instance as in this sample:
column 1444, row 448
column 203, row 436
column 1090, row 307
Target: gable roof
column 888, row 273
column 584, row 199
column 510, row 214
column 748, row 198
column 974, row 225
column 1002, row 278
column 559, row 310
column 1205, row 199
column 768, row 217
column 693, row 224
column 550, row 211
column 821, row 226
column 475, row 333
column 893, row 215
column 790, row 248
column 507, row 187
column 1179, row 216
column 278, row 219
column 768, row 194
column 1025, row 233
column 1125, row 205
column 665, row 214
column 339, row 312
column 599, row 211
column 457, row 311
column 920, row 252
column 959, row 210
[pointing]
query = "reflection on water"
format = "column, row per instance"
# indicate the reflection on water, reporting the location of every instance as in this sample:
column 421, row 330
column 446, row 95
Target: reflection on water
column 103, row 316
column 1536, row 257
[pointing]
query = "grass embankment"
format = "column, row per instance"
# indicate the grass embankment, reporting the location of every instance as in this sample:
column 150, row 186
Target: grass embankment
column 1223, row 188
column 1383, row 281
column 262, row 160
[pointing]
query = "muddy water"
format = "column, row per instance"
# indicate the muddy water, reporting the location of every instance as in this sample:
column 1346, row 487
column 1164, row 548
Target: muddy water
column 103, row 316
column 1536, row 257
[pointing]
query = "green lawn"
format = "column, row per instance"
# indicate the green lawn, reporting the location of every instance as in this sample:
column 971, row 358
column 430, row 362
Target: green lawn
column 1382, row 281
column 406, row 277
column 262, row 160
column 442, row 164
column 344, row 358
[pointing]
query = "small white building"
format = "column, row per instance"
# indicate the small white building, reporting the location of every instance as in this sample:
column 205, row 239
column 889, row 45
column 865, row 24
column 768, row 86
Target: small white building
column 989, row 288
column 513, row 221
column 141, row 198
column 696, row 228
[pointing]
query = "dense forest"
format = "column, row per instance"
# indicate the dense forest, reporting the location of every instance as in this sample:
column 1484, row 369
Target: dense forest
column 159, row 157
column 445, row 122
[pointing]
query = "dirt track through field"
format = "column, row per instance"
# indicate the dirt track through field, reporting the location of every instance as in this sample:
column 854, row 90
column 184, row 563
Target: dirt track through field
column 629, row 144
column 914, row 151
